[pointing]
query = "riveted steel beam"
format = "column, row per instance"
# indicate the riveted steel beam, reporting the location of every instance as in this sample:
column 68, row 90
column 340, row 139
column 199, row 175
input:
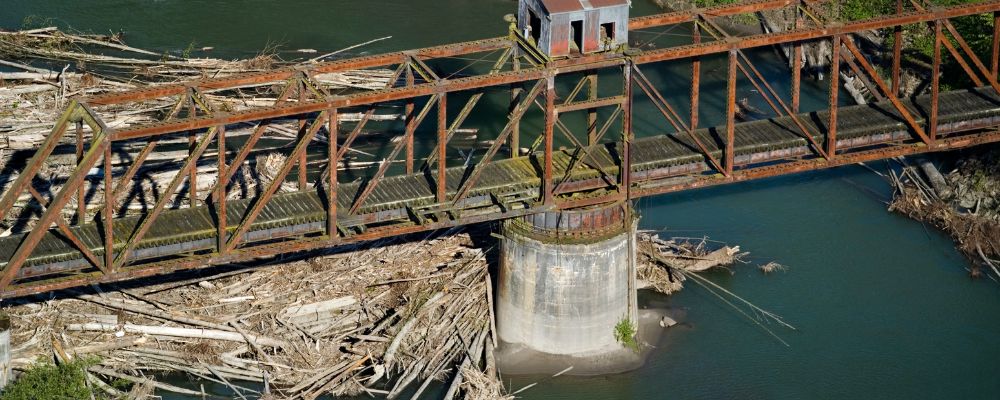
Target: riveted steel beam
column 519, row 111
column 372, row 183
column 26, row 247
column 165, row 197
column 279, row 179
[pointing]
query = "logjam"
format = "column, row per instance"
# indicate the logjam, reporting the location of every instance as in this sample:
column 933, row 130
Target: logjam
column 73, row 65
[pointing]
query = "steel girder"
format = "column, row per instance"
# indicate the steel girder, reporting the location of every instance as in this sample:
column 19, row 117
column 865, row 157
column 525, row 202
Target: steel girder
column 317, row 109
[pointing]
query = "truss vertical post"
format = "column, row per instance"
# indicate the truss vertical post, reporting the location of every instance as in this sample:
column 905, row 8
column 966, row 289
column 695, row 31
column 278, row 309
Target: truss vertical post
column 550, row 121
column 332, row 161
column 626, row 158
column 109, row 212
column 408, row 112
column 220, row 195
column 516, row 90
column 797, row 66
column 897, row 52
column 81, row 205
column 932, row 120
column 695, row 80
column 192, row 145
column 442, row 143
column 303, row 162
column 592, row 113
column 730, row 155
column 831, row 132
column 995, row 63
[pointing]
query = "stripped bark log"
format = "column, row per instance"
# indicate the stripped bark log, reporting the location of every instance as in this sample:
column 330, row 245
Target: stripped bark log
column 175, row 332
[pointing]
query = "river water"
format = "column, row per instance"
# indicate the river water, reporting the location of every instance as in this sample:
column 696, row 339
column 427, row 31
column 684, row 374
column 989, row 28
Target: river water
column 883, row 305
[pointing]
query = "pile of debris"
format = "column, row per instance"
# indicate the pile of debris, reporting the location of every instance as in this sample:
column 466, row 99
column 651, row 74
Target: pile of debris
column 386, row 318
column 665, row 264
column 378, row 320
column 965, row 206
column 659, row 259
column 975, row 184
column 68, row 65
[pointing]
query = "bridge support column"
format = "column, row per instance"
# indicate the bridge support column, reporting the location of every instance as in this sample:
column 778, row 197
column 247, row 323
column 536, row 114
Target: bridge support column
column 5, row 354
column 566, row 279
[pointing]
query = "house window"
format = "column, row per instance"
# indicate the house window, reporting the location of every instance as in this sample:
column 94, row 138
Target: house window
column 608, row 32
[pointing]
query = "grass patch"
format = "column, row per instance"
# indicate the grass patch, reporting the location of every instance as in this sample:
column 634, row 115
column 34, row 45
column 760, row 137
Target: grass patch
column 625, row 332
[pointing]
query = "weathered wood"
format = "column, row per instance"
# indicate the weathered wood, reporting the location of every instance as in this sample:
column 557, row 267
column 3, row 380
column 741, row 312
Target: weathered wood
column 175, row 332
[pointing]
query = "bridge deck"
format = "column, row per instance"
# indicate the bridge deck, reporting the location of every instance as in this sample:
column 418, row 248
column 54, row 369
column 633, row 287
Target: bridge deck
column 513, row 180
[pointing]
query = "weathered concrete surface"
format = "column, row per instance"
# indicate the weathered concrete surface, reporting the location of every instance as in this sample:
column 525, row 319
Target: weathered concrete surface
column 566, row 279
column 5, row 354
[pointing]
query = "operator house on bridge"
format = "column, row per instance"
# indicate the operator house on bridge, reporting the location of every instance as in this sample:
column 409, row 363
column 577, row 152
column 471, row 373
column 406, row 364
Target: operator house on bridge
column 567, row 27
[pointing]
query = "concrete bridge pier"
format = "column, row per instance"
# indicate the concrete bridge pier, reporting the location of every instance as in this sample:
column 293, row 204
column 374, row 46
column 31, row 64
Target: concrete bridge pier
column 566, row 279
column 5, row 353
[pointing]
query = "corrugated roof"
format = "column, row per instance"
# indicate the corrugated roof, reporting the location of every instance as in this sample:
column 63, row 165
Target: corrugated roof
column 562, row 6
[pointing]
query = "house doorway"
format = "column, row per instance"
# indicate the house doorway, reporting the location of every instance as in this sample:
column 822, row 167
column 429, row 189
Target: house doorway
column 576, row 37
column 535, row 24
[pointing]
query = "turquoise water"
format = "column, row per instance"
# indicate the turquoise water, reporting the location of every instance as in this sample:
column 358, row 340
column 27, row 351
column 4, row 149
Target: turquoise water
column 883, row 305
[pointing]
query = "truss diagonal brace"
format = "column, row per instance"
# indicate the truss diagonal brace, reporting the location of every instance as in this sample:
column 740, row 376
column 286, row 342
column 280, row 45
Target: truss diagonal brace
column 972, row 55
column 370, row 186
column 784, row 107
column 44, row 151
column 251, row 142
column 70, row 236
column 279, row 178
column 885, row 90
column 667, row 111
column 457, row 123
column 101, row 142
column 165, row 197
column 519, row 111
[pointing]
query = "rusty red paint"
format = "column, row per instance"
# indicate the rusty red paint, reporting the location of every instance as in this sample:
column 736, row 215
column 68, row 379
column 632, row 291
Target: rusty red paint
column 563, row 6
column 573, row 194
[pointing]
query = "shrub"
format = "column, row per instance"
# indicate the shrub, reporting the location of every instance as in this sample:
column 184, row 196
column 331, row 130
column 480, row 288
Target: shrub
column 46, row 381
column 625, row 334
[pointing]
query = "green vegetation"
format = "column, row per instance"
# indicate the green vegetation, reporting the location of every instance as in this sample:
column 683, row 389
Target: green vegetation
column 918, row 39
column 36, row 22
column 46, row 381
column 625, row 334
column 980, row 179
column 189, row 50
column 745, row 19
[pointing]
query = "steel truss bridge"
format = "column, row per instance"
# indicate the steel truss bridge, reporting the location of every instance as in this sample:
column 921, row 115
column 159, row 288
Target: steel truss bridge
column 605, row 162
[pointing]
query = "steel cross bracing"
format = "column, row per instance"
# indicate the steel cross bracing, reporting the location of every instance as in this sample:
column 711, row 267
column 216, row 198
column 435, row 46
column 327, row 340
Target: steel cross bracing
column 448, row 186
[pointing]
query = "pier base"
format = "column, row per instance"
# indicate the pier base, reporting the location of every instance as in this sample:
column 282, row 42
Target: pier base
column 566, row 279
column 5, row 356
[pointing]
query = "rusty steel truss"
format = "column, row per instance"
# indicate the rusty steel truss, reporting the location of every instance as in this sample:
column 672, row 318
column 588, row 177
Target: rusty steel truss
column 417, row 80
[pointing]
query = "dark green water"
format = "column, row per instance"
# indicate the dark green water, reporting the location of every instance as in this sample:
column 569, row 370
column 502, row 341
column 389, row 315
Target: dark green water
column 883, row 305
